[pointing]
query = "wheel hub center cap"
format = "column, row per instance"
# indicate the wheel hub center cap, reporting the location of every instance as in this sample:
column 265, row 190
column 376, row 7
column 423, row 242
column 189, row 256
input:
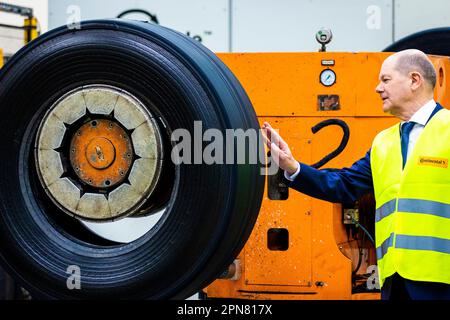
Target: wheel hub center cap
column 100, row 153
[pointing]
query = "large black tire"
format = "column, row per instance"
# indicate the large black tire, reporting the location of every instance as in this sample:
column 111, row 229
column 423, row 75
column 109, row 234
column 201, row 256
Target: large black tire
column 212, row 208
column 433, row 41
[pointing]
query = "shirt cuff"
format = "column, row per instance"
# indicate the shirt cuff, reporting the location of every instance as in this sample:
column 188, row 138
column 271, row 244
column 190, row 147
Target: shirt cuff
column 293, row 176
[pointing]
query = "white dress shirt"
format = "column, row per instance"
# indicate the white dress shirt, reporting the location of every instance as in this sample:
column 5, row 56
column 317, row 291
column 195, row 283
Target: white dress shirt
column 420, row 118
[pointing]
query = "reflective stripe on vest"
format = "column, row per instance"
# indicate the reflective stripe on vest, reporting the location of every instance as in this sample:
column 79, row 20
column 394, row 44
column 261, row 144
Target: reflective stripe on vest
column 412, row 220
column 414, row 243
column 422, row 243
column 413, row 205
column 382, row 250
column 385, row 210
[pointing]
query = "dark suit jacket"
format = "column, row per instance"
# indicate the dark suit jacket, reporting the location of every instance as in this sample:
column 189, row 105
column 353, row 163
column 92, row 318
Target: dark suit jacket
column 341, row 186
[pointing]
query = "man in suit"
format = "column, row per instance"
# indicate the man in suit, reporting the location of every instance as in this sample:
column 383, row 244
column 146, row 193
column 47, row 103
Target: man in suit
column 407, row 169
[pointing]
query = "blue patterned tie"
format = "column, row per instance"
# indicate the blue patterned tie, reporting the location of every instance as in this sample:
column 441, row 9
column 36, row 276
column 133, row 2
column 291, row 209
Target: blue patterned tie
column 405, row 131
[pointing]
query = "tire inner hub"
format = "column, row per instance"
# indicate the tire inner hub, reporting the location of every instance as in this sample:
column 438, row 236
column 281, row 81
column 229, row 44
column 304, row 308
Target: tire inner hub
column 101, row 153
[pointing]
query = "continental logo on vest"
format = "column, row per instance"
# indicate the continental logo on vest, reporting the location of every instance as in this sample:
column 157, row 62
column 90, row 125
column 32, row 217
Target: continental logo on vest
column 434, row 162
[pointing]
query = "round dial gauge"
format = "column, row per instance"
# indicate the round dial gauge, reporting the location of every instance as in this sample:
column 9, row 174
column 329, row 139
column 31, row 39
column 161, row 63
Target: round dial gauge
column 328, row 77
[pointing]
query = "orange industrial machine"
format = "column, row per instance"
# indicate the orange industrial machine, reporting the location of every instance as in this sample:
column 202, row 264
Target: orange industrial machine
column 303, row 248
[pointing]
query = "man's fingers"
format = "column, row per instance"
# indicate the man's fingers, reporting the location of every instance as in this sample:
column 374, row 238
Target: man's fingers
column 266, row 131
column 279, row 149
column 266, row 139
column 272, row 131
column 275, row 151
column 273, row 136
column 276, row 138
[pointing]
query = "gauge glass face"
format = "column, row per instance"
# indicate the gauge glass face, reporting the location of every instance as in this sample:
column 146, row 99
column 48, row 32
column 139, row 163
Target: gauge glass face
column 327, row 77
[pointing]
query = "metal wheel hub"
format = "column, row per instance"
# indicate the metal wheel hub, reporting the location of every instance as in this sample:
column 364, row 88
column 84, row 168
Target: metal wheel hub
column 99, row 153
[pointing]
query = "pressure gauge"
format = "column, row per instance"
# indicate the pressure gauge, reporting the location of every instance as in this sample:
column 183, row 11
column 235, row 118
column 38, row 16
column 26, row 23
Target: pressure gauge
column 328, row 77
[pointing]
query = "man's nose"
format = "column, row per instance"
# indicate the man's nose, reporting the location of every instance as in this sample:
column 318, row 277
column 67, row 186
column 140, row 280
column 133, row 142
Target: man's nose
column 379, row 88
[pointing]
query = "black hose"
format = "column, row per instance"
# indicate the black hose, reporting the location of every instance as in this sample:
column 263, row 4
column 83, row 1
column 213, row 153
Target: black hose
column 342, row 145
column 152, row 17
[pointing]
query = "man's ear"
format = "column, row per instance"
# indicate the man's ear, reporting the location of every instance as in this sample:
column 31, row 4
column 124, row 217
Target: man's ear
column 416, row 80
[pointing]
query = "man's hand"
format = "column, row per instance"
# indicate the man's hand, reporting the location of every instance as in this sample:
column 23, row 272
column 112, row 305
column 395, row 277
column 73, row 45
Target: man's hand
column 279, row 149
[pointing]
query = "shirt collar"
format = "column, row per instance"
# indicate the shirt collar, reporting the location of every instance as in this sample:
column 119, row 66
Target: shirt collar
column 423, row 114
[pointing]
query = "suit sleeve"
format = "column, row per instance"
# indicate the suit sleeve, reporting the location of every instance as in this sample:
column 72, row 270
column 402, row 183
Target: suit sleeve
column 340, row 186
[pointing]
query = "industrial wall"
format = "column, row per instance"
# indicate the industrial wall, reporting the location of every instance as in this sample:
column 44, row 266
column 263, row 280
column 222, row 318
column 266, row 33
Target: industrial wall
column 252, row 25
column 269, row 25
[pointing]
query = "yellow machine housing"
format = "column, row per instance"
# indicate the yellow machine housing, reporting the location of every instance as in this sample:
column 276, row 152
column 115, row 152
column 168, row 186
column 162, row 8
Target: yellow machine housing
column 317, row 254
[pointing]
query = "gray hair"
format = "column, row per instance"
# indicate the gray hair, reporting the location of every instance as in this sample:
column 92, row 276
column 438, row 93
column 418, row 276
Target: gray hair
column 415, row 60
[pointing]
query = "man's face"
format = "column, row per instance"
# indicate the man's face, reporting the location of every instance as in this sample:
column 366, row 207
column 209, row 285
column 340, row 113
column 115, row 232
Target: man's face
column 394, row 88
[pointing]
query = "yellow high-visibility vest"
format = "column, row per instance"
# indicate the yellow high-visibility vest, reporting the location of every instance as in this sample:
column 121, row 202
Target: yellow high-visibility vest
column 412, row 222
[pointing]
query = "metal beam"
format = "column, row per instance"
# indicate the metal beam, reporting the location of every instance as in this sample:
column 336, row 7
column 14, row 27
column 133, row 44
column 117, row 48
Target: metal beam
column 10, row 8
